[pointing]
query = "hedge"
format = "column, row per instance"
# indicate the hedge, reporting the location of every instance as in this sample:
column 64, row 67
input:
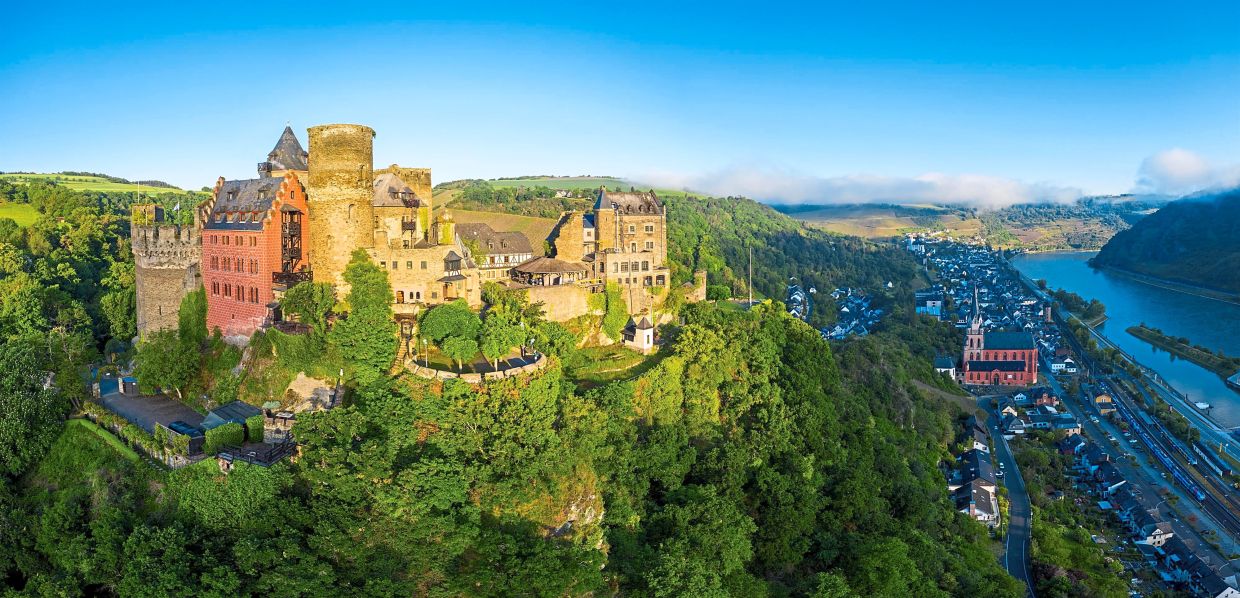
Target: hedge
column 229, row 434
column 254, row 428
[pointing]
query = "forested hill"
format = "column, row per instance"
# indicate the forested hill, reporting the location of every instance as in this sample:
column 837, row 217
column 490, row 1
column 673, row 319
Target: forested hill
column 1193, row 240
column 748, row 457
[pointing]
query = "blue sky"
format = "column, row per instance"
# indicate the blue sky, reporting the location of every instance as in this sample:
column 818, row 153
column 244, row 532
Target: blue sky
column 921, row 101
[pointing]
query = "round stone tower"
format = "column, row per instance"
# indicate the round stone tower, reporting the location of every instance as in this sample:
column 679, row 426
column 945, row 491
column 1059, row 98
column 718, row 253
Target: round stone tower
column 338, row 195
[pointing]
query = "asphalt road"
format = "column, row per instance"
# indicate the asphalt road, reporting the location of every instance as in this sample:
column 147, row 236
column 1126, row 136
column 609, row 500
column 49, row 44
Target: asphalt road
column 1016, row 545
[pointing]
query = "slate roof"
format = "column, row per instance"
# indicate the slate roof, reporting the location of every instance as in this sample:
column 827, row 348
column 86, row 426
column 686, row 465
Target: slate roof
column 243, row 196
column 288, row 153
column 977, row 365
column 945, row 362
column 236, row 412
column 490, row 241
column 1008, row 340
column 629, row 201
column 976, row 493
column 385, row 185
column 975, row 465
column 548, row 265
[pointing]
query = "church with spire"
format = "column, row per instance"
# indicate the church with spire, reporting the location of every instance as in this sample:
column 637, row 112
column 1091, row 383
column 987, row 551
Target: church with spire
column 998, row 357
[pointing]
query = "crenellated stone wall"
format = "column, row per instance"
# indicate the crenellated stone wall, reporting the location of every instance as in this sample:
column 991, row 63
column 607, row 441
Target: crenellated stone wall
column 166, row 266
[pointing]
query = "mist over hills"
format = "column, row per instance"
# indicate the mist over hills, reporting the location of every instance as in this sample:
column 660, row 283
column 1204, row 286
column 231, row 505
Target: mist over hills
column 1192, row 240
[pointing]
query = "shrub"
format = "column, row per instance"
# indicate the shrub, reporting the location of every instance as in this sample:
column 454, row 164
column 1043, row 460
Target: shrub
column 254, row 428
column 553, row 338
column 617, row 313
column 229, row 434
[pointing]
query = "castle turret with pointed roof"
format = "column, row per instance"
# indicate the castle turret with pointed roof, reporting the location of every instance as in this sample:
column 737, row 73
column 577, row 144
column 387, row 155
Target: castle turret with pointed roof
column 286, row 156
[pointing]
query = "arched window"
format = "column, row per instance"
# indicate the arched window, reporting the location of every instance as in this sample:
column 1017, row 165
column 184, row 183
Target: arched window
column 350, row 212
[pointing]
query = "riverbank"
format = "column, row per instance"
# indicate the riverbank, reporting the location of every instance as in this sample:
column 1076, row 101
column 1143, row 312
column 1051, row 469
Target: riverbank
column 1223, row 365
column 1171, row 285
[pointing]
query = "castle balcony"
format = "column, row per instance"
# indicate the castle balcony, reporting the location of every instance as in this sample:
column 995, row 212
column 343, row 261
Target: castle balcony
column 406, row 224
column 289, row 279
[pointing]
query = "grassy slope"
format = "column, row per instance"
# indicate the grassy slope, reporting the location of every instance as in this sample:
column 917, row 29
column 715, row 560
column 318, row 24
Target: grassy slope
column 877, row 221
column 567, row 182
column 23, row 214
column 534, row 229
column 85, row 183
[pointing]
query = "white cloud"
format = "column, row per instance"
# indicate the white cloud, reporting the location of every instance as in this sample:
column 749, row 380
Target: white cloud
column 1179, row 171
column 782, row 186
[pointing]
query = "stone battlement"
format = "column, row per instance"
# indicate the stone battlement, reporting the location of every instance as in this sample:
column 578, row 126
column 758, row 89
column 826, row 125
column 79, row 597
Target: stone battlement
column 165, row 245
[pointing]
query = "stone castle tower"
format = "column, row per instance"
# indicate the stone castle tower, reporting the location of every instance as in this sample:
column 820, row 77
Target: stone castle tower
column 166, row 266
column 339, row 190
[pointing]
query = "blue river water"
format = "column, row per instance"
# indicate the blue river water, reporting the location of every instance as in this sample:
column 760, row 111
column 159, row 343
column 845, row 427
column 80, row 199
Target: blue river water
column 1208, row 322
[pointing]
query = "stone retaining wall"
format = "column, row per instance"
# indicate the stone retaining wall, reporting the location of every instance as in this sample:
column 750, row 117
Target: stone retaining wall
column 473, row 378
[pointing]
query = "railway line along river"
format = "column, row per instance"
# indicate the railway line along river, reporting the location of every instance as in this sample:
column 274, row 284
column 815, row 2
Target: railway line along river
column 1129, row 302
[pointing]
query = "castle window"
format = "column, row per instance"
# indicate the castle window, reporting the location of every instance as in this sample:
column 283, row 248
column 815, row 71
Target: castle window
column 213, row 239
column 400, row 296
column 395, row 264
column 215, row 288
column 649, row 245
column 227, row 290
column 418, row 295
column 350, row 212
column 633, row 247
column 659, row 280
column 645, row 267
column 383, row 264
column 225, row 239
column 253, row 241
column 434, row 294
column 624, row 266
column 615, row 267
column 408, row 265
column 650, row 228
column 423, row 265
column 632, row 228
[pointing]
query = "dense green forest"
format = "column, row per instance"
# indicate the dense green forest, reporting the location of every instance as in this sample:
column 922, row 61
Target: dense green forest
column 749, row 461
column 1192, row 240
column 751, row 458
column 716, row 234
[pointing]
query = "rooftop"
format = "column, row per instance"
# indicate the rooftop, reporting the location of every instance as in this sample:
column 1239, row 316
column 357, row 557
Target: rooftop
column 288, row 153
column 490, row 241
column 629, row 201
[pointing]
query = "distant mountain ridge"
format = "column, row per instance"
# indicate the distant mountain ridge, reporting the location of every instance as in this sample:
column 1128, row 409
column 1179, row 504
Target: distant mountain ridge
column 1192, row 240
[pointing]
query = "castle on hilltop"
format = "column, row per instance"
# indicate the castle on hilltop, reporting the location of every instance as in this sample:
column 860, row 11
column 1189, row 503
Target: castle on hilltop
column 307, row 212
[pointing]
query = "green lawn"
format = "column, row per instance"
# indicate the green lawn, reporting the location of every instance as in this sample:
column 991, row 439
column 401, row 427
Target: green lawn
column 593, row 366
column 85, row 183
column 24, row 214
column 106, row 436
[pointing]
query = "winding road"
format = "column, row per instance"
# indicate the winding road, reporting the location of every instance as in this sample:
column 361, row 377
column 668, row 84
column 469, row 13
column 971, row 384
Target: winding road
column 1016, row 544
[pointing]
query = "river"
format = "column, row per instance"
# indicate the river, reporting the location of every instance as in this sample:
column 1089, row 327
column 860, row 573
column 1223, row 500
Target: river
column 1208, row 322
